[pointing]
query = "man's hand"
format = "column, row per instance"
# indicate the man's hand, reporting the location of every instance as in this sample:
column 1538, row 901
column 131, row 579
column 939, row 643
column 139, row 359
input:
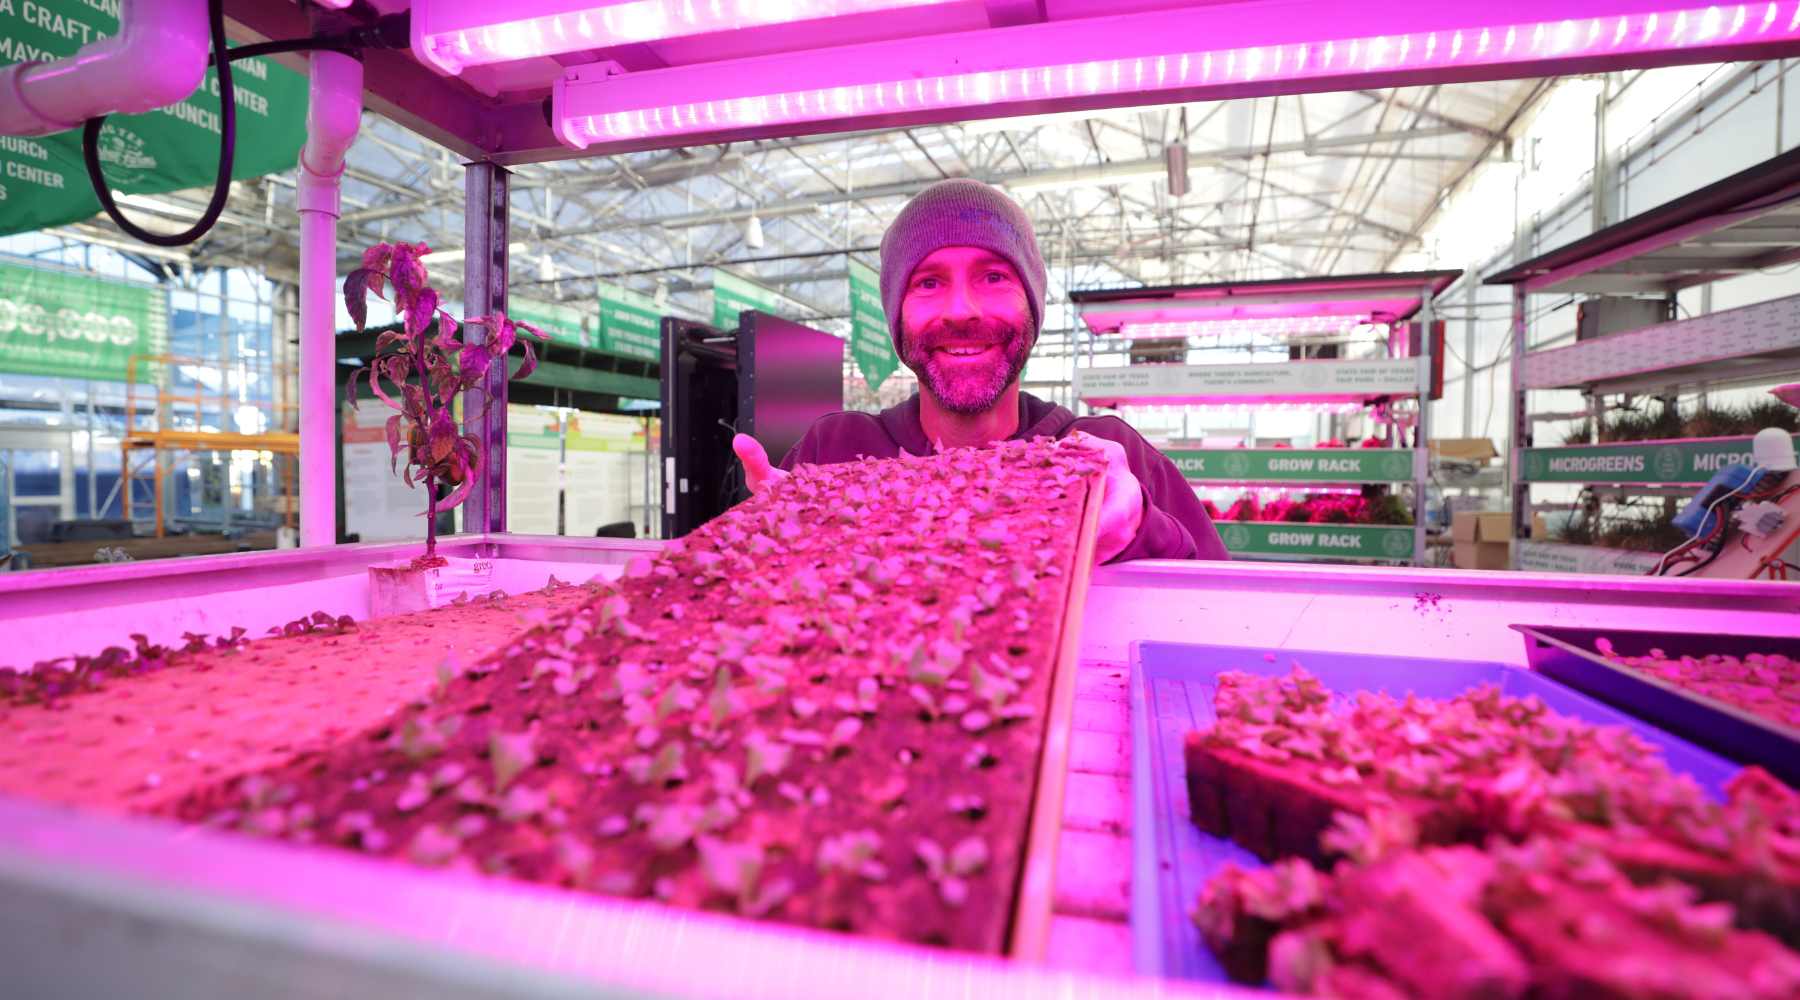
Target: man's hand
column 1122, row 504
column 758, row 473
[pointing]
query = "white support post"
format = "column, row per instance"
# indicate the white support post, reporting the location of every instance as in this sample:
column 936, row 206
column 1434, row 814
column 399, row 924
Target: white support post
column 1422, row 430
column 334, row 112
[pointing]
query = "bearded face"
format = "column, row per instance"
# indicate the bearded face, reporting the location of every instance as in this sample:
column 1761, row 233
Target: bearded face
column 967, row 366
column 966, row 328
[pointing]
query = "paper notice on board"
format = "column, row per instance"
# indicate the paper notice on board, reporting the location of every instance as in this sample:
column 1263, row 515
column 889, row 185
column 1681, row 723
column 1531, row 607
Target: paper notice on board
column 378, row 505
column 533, row 470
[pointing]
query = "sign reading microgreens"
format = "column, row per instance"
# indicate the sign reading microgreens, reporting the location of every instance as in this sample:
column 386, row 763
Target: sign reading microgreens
column 871, row 344
column 1273, row 465
column 77, row 326
column 43, row 181
column 1672, row 462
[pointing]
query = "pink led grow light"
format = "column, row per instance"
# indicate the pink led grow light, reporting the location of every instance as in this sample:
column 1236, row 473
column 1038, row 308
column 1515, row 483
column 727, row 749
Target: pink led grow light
column 455, row 34
column 1137, row 55
column 1224, row 328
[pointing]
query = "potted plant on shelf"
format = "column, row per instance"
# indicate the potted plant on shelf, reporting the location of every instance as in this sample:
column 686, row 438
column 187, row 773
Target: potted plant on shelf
column 428, row 366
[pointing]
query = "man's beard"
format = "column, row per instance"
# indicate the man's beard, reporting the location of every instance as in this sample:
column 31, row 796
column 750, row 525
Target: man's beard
column 961, row 388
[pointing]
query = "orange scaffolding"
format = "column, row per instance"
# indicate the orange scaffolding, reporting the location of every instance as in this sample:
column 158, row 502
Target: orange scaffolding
column 170, row 433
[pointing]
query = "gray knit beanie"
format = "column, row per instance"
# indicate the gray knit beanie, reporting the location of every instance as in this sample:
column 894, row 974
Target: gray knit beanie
column 960, row 212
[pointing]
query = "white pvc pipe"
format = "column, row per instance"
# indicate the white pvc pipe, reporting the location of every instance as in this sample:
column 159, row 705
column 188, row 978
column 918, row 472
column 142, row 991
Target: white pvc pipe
column 333, row 114
column 157, row 58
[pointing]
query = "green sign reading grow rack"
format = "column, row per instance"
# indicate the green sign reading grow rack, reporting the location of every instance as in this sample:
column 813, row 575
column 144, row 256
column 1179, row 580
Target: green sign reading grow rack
column 77, row 326
column 43, row 181
column 1325, row 541
column 1283, row 465
column 1663, row 462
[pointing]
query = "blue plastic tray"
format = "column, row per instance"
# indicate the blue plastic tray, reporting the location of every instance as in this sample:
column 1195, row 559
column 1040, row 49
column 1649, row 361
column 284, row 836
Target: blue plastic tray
column 1172, row 693
column 1568, row 656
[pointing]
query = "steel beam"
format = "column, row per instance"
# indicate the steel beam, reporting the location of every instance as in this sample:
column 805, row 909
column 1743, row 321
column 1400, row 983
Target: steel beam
column 485, row 223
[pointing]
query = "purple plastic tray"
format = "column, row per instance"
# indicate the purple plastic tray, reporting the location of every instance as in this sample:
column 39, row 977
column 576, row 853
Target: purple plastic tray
column 1568, row 655
column 1172, row 689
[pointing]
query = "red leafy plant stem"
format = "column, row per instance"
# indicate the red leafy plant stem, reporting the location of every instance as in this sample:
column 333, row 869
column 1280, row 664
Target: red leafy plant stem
column 428, row 366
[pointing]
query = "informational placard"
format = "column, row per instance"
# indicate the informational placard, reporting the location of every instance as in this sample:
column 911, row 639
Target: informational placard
column 1660, row 462
column 871, row 343
column 1282, row 465
column 43, row 181
column 1325, row 541
column 77, row 326
column 630, row 325
column 561, row 322
column 603, row 451
column 378, row 505
column 1554, row 557
column 1318, row 381
column 533, row 470
column 733, row 295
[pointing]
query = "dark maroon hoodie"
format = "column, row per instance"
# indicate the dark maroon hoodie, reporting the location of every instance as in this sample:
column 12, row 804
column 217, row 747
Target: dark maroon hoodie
column 1175, row 524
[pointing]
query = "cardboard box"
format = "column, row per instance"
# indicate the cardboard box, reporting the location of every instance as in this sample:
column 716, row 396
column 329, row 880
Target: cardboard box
column 1540, row 532
column 1481, row 526
column 1477, row 450
column 1482, row 555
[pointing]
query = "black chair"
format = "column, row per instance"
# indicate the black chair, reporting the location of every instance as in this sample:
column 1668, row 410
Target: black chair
column 617, row 529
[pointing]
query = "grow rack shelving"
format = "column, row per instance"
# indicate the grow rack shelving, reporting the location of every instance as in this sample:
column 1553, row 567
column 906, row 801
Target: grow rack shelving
column 99, row 905
column 1744, row 223
column 1263, row 312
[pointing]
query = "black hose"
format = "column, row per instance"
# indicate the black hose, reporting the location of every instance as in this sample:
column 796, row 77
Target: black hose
column 90, row 152
column 387, row 32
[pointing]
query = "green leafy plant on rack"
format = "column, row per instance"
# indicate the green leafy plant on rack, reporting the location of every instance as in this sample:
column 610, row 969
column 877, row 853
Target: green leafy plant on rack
column 428, row 366
column 1707, row 420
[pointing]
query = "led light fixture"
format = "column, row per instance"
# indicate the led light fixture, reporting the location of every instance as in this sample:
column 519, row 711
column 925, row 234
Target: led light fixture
column 1267, row 327
column 1151, row 57
column 452, row 35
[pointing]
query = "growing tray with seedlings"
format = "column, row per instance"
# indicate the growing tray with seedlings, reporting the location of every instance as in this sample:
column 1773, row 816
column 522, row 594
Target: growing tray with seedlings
column 1289, row 771
column 1738, row 695
column 130, row 728
column 1540, row 919
column 827, row 707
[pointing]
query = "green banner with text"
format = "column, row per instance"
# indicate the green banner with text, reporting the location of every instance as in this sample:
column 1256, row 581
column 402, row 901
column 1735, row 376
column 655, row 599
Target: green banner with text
column 1282, row 465
column 76, row 326
column 733, row 295
column 870, row 342
column 1326, row 541
column 561, row 322
column 1661, row 462
column 630, row 325
column 43, row 182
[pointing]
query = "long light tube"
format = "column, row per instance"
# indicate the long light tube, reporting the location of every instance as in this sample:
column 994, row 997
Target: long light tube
column 455, row 34
column 1259, row 326
column 859, row 81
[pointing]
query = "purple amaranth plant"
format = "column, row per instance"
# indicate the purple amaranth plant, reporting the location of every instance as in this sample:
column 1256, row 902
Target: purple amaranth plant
column 438, row 454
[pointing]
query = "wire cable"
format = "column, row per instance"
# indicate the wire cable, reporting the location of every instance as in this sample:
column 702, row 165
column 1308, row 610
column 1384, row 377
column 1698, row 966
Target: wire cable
column 1718, row 528
column 387, row 32
column 90, row 153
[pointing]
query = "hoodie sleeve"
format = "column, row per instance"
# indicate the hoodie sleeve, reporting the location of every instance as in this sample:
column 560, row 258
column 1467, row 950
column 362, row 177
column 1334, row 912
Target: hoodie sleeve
column 1176, row 525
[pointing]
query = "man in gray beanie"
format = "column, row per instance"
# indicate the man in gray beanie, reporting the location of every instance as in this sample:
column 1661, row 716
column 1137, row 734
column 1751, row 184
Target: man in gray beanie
column 962, row 282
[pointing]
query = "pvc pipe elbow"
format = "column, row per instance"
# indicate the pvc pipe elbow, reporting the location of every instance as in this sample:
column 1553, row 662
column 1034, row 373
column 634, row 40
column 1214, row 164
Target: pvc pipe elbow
column 333, row 115
column 158, row 58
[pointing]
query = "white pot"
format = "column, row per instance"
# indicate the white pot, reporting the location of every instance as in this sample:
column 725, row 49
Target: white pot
column 399, row 587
